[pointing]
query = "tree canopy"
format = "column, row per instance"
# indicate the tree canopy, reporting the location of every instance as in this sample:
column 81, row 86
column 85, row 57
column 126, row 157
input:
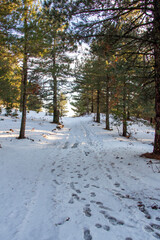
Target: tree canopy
column 120, row 74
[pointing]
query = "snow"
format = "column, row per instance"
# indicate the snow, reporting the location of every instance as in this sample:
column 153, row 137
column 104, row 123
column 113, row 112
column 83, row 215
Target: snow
column 80, row 182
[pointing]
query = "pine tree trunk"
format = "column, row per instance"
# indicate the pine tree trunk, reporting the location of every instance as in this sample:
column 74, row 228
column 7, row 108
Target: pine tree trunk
column 55, row 89
column 24, row 85
column 92, row 106
column 156, row 33
column 87, row 102
column 128, row 115
column 21, row 98
column 107, row 104
column 124, row 110
column 98, row 106
column 55, row 103
column 128, row 108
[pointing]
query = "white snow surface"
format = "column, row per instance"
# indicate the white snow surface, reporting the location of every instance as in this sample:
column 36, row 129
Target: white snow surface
column 78, row 183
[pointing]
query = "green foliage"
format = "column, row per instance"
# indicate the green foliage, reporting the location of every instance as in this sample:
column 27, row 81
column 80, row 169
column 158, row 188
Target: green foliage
column 9, row 79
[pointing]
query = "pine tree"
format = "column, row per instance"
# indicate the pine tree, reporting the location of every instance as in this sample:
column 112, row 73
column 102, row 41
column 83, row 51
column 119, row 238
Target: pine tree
column 55, row 63
column 9, row 67
column 142, row 30
column 23, row 33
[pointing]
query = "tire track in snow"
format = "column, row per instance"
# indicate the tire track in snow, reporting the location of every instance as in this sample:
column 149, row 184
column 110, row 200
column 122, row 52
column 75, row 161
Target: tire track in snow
column 35, row 223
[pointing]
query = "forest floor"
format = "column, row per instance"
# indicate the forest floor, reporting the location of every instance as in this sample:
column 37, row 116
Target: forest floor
column 77, row 183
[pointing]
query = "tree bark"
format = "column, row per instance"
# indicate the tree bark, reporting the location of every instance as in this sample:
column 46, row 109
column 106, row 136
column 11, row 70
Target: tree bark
column 98, row 106
column 55, row 89
column 87, row 102
column 92, row 106
column 156, row 33
column 124, row 110
column 55, row 103
column 107, row 104
column 128, row 115
column 24, row 84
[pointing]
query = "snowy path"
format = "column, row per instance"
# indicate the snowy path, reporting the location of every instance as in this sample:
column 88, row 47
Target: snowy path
column 77, row 183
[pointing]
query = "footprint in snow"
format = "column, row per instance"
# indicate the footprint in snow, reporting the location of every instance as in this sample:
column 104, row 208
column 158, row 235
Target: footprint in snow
column 114, row 221
column 87, row 211
column 109, row 176
column 63, row 221
column 71, row 201
column 66, row 145
column 87, row 153
column 106, row 208
column 80, row 175
column 111, row 219
column 75, row 196
column 87, row 235
column 95, row 186
column 148, row 228
column 142, row 208
column 75, row 145
column 117, row 184
column 72, row 185
column 156, row 235
column 99, row 203
column 77, row 191
column 83, row 199
column 98, row 225
column 56, row 182
column 84, row 169
column 105, row 227
column 93, row 194
column 155, row 226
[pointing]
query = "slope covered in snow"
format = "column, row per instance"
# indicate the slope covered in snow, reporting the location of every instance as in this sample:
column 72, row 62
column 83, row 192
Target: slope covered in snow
column 80, row 182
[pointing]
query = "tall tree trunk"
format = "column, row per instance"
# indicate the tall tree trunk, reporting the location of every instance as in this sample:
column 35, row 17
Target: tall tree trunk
column 128, row 107
column 55, row 89
column 128, row 115
column 55, row 103
column 87, row 102
column 98, row 106
column 156, row 33
column 107, row 104
column 124, row 110
column 92, row 106
column 24, row 84
column 21, row 97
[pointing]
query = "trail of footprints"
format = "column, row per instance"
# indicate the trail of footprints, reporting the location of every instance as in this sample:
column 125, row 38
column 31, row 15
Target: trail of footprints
column 75, row 173
column 154, row 228
column 88, row 212
column 151, row 228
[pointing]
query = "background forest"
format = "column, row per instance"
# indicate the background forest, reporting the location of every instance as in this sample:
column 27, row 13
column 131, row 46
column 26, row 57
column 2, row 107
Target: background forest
column 118, row 75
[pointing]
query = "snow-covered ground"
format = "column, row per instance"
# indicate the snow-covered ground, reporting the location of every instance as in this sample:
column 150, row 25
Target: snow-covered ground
column 78, row 183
